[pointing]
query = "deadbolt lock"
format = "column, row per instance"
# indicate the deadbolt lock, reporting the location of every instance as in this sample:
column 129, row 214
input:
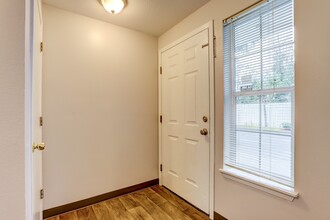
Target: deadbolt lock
column 40, row 146
column 205, row 119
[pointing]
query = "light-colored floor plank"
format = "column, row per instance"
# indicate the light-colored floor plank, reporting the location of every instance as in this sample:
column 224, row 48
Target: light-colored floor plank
column 102, row 212
column 86, row 214
column 173, row 211
column 140, row 213
column 128, row 202
column 175, row 200
column 153, row 196
column 118, row 209
column 68, row 216
column 155, row 211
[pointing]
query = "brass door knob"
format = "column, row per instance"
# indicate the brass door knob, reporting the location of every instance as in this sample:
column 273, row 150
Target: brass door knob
column 40, row 146
column 204, row 131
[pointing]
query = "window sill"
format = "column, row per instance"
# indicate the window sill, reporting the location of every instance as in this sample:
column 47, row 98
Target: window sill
column 260, row 183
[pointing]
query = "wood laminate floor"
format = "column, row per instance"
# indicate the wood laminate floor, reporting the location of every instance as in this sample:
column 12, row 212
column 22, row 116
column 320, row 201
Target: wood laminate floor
column 153, row 203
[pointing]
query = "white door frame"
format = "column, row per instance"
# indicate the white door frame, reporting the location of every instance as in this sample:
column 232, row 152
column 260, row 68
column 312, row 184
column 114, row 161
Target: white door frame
column 208, row 26
column 28, row 108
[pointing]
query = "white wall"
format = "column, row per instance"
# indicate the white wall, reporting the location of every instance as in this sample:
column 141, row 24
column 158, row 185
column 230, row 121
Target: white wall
column 99, row 107
column 12, row 194
column 312, row 163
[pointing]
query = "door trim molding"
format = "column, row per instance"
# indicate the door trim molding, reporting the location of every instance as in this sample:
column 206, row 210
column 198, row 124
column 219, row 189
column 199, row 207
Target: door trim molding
column 208, row 26
column 28, row 108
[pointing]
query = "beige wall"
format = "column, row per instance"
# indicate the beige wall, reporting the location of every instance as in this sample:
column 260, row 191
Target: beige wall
column 312, row 163
column 12, row 194
column 99, row 107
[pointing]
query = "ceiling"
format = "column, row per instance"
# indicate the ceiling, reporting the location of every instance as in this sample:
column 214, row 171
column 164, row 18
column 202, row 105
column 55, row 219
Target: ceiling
column 149, row 16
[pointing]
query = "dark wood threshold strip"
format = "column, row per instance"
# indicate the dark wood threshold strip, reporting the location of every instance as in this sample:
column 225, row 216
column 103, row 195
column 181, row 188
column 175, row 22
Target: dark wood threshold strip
column 217, row 216
column 96, row 199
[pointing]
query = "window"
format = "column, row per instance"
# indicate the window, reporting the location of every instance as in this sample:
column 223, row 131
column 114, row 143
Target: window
column 259, row 93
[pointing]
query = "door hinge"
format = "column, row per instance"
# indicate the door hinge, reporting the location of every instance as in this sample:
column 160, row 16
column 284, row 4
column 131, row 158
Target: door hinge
column 161, row 119
column 161, row 70
column 161, row 167
column 42, row 194
column 41, row 46
column 214, row 46
column 41, row 121
column 205, row 45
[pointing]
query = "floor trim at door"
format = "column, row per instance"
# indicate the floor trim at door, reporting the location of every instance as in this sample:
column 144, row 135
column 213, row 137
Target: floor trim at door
column 96, row 199
column 217, row 216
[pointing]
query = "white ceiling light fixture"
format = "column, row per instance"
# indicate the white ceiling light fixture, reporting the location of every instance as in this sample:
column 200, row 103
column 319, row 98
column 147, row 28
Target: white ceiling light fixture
column 114, row 6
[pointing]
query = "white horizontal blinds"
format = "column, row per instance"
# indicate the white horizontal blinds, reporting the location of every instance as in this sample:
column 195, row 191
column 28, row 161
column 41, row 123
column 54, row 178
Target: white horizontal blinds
column 259, row 91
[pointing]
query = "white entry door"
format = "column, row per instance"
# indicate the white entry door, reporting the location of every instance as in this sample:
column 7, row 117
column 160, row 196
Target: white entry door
column 185, row 102
column 37, row 144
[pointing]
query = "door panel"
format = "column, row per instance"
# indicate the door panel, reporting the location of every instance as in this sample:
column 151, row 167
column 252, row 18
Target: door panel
column 36, row 110
column 190, row 101
column 185, row 100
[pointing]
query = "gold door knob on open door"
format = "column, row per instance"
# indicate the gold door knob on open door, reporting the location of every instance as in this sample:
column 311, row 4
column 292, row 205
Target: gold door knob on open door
column 204, row 131
column 40, row 146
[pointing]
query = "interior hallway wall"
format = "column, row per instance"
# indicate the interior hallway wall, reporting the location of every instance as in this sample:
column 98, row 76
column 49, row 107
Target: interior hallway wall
column 12, row 150
column 312, row 177
column 99, row 107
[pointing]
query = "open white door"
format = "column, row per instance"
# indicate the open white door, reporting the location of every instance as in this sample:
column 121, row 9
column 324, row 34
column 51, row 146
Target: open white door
column 37, row 145
column 185, row 100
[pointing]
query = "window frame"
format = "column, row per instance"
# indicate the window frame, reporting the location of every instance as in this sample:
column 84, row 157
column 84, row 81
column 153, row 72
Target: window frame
column 256, row 179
